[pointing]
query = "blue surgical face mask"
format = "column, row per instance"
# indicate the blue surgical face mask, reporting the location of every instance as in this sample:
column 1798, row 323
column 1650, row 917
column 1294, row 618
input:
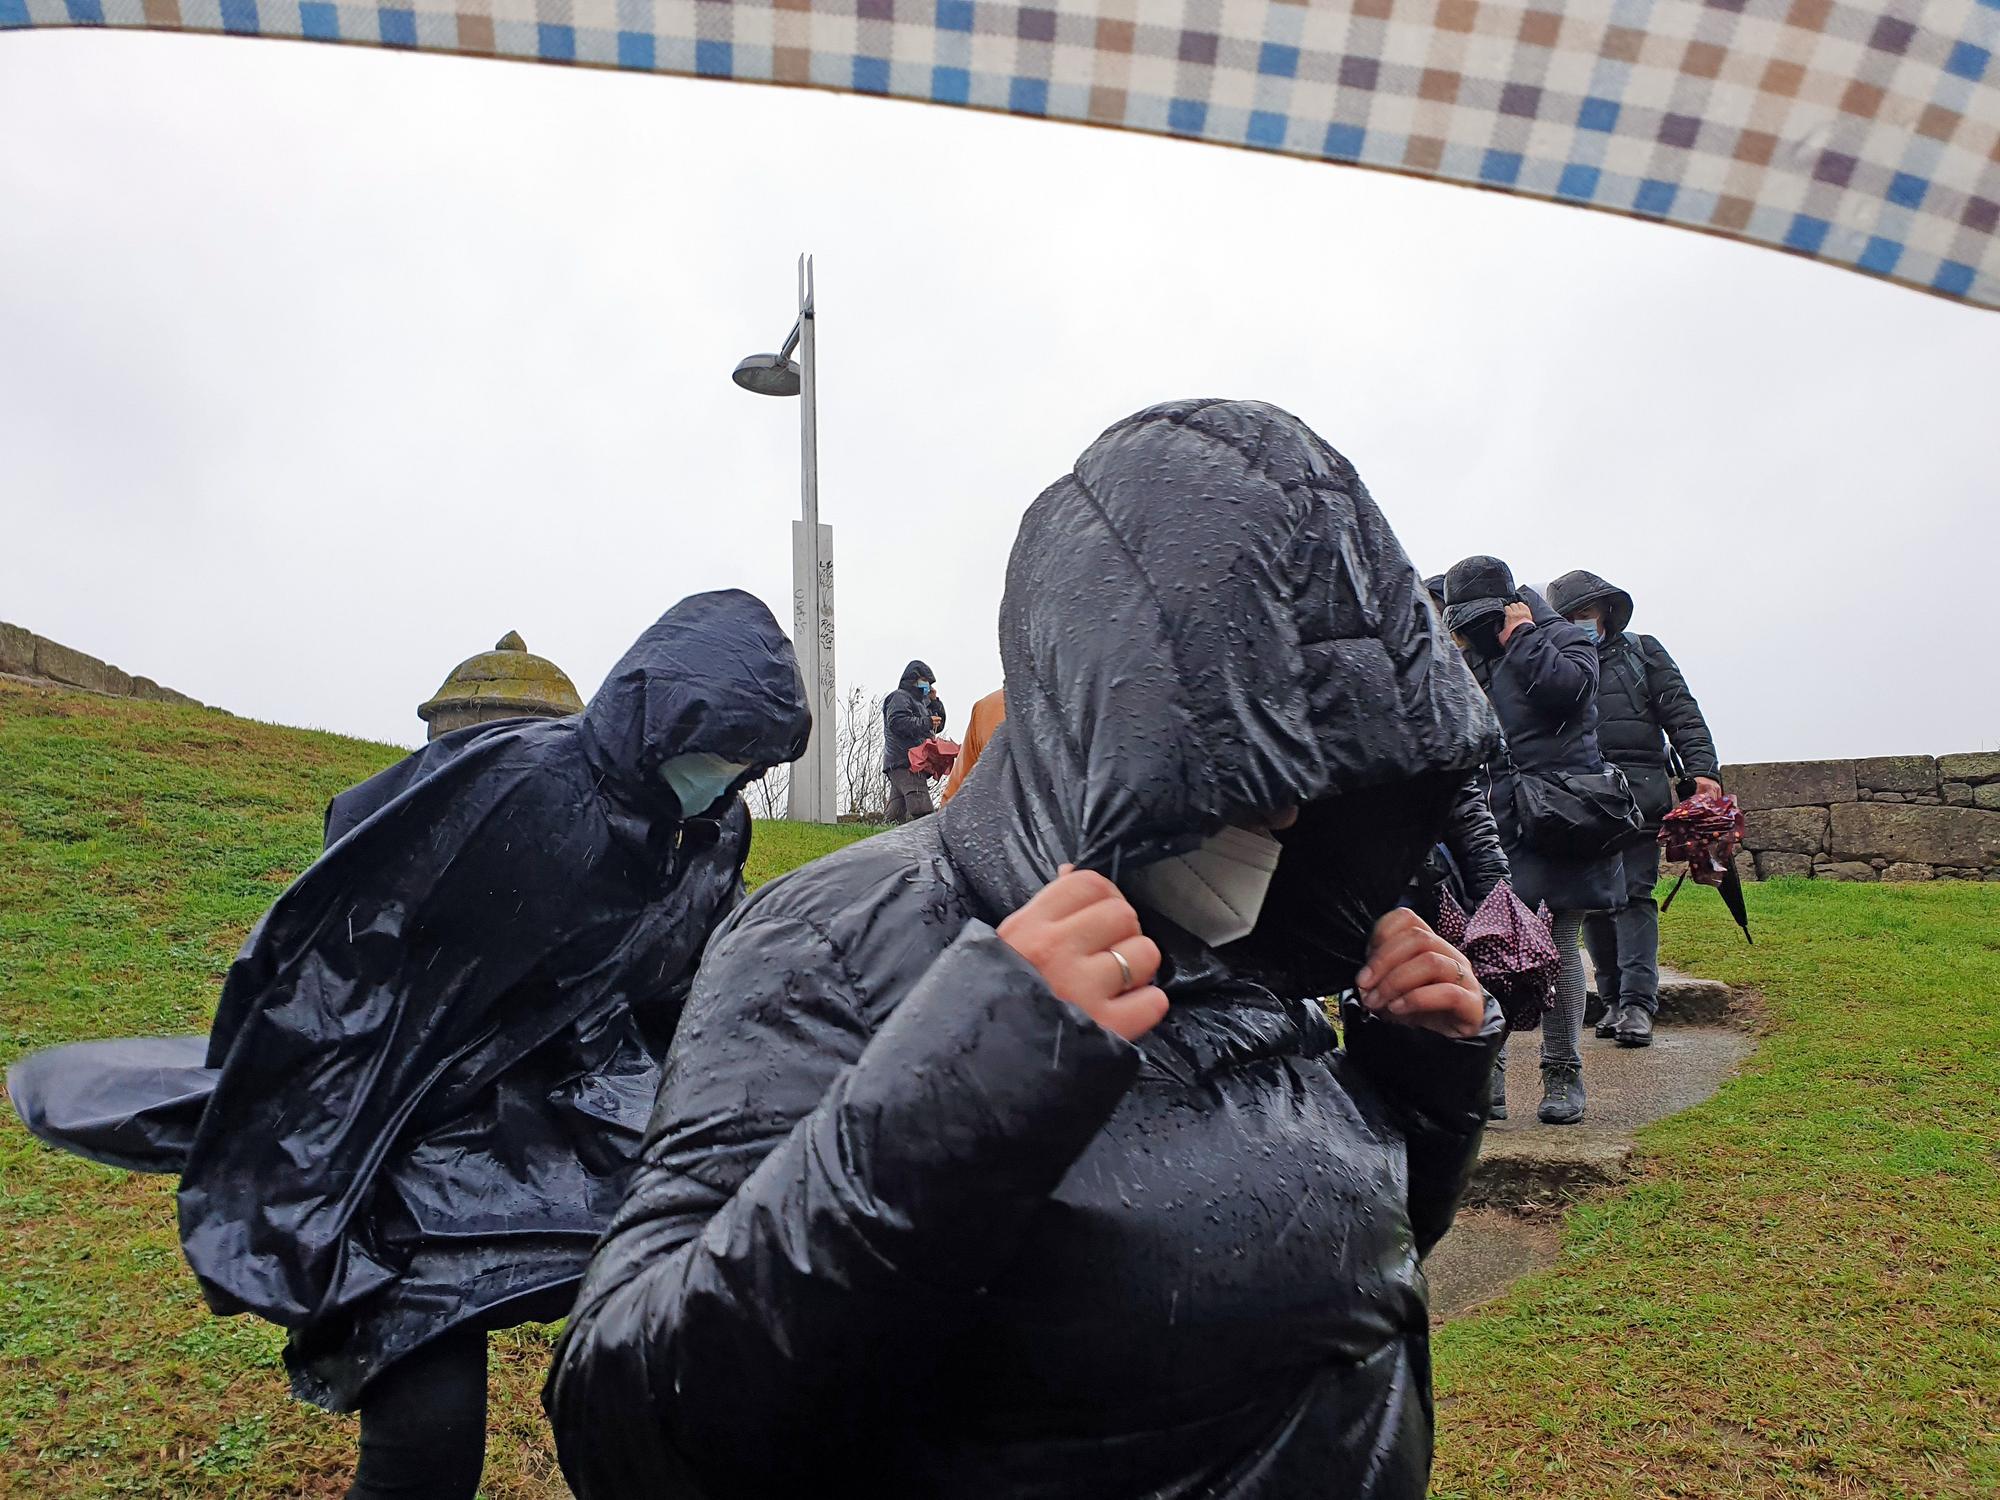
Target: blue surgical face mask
column 923, row 690
column 1592, row 629
column 699, row 780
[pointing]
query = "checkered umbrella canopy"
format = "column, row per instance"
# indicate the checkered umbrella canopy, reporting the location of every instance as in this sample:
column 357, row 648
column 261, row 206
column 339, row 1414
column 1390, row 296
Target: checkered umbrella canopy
column 1864, row 133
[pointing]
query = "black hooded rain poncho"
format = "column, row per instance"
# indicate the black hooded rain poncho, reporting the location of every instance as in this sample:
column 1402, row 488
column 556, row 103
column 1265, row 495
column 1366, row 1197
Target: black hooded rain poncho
column 907, row 1224
column 431, row 1064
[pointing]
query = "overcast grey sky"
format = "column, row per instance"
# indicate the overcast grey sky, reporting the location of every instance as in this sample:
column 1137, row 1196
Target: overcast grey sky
column 320, row 368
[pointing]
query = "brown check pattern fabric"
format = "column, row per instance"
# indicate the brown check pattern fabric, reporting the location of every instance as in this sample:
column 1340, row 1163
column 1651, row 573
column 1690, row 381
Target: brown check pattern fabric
column 1863, row 135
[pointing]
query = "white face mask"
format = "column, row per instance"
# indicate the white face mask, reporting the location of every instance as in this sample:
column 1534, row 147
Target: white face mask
column 697, row 780
column 1216, row 891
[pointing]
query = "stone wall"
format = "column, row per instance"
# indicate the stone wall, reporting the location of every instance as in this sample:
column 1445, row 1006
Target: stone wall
column 1891, row 817
column 25, row 654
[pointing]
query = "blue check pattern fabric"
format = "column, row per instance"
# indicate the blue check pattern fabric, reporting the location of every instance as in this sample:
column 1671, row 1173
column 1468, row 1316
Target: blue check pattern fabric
column 1863, row 135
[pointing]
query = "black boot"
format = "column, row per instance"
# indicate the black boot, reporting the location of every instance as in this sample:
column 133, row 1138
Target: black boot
column 1562, row 1094
column 1607, row 1023
column 1496, row 1089
column 1635, row 1026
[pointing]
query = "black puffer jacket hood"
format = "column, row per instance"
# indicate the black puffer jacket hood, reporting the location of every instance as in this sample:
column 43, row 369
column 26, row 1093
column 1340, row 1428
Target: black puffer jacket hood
column 1573, row 591
column 1246, row 636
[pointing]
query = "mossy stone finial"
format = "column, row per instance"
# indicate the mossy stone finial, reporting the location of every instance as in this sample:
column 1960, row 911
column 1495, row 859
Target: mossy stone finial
column 508, row 682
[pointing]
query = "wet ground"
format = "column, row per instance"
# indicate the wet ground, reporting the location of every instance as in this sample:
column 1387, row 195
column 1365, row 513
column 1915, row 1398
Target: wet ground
column 1527, row 1170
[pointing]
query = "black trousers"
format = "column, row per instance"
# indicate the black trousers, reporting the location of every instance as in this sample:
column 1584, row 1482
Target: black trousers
column 909, row 797
column 423, row 1423
column 1624, row 943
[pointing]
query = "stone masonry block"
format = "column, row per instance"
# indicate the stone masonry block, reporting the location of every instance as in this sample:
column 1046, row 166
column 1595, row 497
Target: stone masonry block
column 61, row 664
column 1846, row 869
column 1984, row 765
column 1791, row 783
column 17, row 650
column 1795, row 830
column 1906, row 871
column 1918, row 835
column 1775, row 864
column 1897, row 773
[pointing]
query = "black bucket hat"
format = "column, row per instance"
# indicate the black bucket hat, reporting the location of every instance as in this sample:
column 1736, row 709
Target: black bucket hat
column 1475, row 588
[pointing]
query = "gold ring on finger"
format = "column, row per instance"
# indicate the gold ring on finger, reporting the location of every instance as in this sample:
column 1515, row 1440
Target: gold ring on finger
column 1123, row 967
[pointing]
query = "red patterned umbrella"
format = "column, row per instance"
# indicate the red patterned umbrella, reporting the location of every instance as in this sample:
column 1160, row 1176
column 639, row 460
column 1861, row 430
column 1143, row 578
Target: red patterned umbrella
column 1706, row 831
column 1511, row 949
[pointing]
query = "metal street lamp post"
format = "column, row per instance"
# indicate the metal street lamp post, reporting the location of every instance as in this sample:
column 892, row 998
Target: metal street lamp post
column 813, row 793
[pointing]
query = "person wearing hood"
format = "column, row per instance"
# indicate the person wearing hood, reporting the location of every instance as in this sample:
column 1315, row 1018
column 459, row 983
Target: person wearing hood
column 1540, row 673
column 432, row 1063
column 1652, row 729
column 912, row 714
column 1014, row 1152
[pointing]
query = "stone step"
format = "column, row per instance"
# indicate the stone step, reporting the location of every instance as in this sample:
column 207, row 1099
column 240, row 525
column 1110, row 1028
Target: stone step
column 1525, row 1165
column 1684, row 1000
column 1526, row 1173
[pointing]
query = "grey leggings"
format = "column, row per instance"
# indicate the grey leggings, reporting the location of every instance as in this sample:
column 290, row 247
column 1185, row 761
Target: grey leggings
column 1563, row 1025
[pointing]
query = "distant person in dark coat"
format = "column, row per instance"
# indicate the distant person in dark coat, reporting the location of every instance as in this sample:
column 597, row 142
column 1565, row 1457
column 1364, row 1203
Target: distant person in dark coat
column 1540, row 673
column 1651, row 728
column 912, row 714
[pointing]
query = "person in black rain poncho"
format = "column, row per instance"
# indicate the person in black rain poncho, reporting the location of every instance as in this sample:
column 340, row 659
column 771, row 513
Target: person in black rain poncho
column 432, row 1063
column 942, row 1196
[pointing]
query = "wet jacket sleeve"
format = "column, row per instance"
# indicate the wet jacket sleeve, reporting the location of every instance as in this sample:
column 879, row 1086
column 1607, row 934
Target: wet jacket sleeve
column 1473, row 839
column 1676, row 710
column 1556, row 663
column 812, row 1203
column 1438, row 1083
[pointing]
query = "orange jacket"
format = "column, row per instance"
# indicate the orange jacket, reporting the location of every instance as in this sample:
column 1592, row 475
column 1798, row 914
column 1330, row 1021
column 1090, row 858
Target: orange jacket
column 987, row 715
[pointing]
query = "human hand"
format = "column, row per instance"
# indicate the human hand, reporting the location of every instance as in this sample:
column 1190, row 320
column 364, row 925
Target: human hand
column 1083, row 938
column 1416, row 977
column 1516, row 616
column 1707, row 786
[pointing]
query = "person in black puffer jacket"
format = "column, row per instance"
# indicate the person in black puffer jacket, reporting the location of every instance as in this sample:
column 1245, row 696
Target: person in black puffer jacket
column 910, row 715
column 1540, row 672
column 919, row 1216
column 1647, row 721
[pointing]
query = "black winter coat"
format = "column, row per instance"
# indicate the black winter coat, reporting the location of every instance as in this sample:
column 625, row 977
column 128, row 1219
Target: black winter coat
column 1643, row 702
column 1543, row 686
column 1468, row 858
column 430, row 1069
column 906, row 717
column 908, row 1225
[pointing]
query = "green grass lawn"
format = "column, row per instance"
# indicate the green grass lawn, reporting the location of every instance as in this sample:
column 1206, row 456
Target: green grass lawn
column 1798, row 1296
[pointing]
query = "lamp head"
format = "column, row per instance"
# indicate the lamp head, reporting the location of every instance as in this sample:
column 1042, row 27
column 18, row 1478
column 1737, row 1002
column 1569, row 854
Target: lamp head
column 768, row 375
